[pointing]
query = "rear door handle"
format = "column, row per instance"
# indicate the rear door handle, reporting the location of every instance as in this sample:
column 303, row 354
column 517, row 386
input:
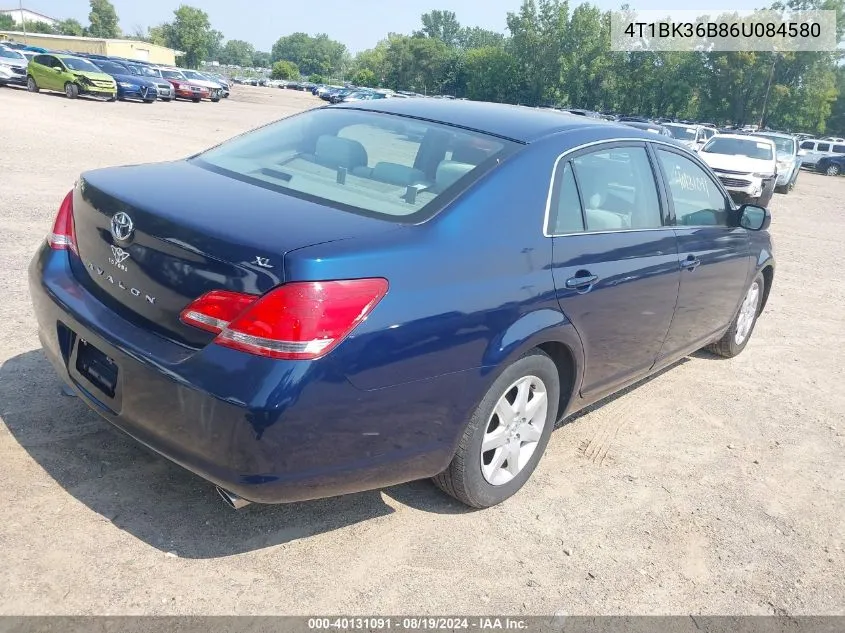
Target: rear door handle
column 581, row 281
column 691, row 263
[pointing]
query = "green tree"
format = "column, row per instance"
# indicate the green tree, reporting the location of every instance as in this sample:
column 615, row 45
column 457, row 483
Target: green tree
column 284, row 70
column 236, row 53
column 441, row 25
column 415, row 63
column 491, row 74
column 312, row 54
column 190, row 32
column 70, row 27
column 39, row 27
column 261, row 59
column 476, row 37
column 317, row 79
column 7, row 23
column 364, row 77
column 103, row 19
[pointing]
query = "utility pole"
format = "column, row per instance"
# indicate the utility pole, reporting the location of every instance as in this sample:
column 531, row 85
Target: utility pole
column 768, row 89
column 23, row 21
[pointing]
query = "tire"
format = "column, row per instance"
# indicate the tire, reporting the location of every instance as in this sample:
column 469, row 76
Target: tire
column 195, row 100
column 167, row 100
column 832, row 170
column 215, row 100
column 468, row 477
column 739, row 333
column 71, row 90
column 31, row 85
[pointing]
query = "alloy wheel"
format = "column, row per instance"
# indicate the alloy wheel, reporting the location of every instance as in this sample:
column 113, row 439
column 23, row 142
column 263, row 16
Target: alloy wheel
column 747, row 313
column 832, row 170
column 514, row 430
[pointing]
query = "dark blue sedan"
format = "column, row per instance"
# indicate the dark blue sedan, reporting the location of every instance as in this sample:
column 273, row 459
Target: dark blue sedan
column 129, row 85
column 367, row 294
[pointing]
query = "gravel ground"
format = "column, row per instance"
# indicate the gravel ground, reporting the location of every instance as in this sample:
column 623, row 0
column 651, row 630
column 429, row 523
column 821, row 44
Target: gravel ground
column 715, row 487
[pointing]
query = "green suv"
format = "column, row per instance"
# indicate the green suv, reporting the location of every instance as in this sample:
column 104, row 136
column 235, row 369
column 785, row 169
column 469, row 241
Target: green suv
column 72, row 75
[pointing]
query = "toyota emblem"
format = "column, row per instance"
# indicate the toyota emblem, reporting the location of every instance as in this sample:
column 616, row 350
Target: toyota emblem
column 121, row 226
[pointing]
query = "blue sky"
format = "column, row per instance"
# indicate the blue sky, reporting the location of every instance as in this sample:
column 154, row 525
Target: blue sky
column 357, row 23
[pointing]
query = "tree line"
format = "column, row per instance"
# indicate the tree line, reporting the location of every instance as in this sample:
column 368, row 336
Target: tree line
column 551, row 54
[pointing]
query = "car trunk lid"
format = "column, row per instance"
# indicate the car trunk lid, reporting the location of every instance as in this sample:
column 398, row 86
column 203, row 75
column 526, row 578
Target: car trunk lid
column 152, row 238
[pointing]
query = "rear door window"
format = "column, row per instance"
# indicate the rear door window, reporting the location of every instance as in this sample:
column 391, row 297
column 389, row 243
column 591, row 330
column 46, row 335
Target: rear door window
column 617, row 189
column 823, row 147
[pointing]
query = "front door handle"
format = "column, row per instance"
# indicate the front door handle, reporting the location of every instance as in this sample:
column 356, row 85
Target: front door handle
column 581, row 281
column 691, row 263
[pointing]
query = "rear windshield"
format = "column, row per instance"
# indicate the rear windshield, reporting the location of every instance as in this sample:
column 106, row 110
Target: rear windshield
column 759, row 150
column 380, row 165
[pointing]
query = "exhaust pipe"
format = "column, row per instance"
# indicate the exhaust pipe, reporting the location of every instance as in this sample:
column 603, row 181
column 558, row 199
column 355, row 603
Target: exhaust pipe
column 231, row 499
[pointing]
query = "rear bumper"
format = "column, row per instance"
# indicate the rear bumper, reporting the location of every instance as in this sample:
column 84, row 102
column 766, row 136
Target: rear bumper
column 8, row 76
column 270, row 431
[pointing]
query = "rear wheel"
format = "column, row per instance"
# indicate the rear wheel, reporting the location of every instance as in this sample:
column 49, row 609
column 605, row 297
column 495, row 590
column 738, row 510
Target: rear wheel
column 215, row 100
column 196, row 100
column 832, row 170
column 31, row 85
column 738, row 334
column 71, row 90
column 506, row 435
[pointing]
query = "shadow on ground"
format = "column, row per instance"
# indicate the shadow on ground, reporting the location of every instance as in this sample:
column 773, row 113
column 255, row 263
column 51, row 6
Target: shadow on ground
column 151, row 498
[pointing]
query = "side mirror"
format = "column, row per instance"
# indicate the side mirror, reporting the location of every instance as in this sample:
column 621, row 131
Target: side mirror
column 754, row 217
column 57, row 69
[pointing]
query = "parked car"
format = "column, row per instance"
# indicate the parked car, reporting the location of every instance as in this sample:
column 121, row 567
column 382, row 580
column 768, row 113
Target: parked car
column 813, row 150
column 831, row 165
column 12, row 67
column 221, row 81
column 692, row 135
column 746, row 165
column 654, row 128
column 72, row 75
column 789, row 162
column 215, row 90
column 129, row 85
column 254, row 314
column 184, row 88
column 164, row 89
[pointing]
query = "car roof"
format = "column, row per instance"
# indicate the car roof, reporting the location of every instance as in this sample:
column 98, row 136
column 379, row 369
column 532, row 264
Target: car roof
column 776, row 134
column 518, row 123
column 747, row 137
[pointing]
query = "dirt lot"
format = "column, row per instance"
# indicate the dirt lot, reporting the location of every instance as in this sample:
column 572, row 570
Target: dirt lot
column 716, row 487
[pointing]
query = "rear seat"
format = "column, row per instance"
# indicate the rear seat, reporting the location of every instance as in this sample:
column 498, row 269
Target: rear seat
column 448, row 172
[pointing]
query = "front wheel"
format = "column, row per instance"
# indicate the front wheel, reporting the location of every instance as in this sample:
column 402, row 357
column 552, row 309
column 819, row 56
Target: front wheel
column 215, row 100
column 196, row 100
column 738, row 334
column 506, row 435
column 31, row 85
column 832, row 170
column 71, row 90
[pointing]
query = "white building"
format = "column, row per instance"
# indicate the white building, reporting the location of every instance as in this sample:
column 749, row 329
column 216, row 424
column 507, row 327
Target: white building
column 21, row 15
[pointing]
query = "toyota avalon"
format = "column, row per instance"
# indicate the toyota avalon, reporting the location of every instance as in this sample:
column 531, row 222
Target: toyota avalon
column 328, row 305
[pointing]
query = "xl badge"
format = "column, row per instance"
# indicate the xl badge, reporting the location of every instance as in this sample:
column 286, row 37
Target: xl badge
column 118, row 257
column 121, row 226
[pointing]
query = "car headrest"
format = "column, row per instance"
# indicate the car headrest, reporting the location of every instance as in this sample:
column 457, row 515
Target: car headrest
column 333, row 151
column 449, row 171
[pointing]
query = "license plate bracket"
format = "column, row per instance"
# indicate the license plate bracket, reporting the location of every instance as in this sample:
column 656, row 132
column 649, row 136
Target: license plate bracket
column 96, row 368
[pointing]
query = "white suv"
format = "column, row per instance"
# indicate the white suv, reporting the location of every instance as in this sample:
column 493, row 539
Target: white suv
column 813, row 150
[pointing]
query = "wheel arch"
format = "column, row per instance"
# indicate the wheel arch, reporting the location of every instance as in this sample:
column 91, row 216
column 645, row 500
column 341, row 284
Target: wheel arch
column 768, row 272
column 551, row 332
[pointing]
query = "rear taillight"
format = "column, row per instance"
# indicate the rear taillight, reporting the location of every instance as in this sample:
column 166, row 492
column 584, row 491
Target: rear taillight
column 297, row 321
column 63, row 236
